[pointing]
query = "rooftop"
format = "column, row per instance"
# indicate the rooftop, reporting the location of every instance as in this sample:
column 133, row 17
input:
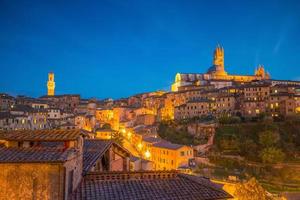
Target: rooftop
column 93, row 149
column 33, row 154
column 147, row 185
column 41, row 135
column 152, row 139
column 167, row 145
column 61, row 95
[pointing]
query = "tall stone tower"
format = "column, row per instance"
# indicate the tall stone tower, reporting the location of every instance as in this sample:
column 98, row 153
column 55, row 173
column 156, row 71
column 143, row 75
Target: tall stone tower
column 51, row 84
column 219, row 56
column 218, row 62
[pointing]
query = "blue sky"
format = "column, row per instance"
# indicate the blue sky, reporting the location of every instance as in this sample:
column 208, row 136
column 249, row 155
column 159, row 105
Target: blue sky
column 116, row 48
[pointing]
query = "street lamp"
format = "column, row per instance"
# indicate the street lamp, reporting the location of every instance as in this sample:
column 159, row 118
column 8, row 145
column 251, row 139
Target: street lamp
column 140, row 146
column 129, row 134
column 123, row 131
column 147, row 154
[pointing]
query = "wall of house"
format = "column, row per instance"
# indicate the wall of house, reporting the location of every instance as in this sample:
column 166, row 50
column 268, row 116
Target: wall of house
column 74, row 164
column 31, row 181
column 117, row 164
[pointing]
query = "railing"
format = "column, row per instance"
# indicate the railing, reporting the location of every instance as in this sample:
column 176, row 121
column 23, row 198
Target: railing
column 131, row 175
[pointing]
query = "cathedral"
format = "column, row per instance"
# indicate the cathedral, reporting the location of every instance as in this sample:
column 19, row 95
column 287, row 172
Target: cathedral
column 216, row 75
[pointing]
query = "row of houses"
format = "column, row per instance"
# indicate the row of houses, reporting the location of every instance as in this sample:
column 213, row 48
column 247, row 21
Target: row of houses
column 69, row 164
column 247, row 100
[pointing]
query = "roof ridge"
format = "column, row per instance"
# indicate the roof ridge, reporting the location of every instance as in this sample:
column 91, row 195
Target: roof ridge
column 193, row 178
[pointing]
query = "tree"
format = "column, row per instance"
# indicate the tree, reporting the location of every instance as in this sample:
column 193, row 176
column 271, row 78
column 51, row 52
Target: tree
column 271, row 155
column 249, row 149
column 106, row 126
column 250, row 190
column 225, row 119
column 268, row 138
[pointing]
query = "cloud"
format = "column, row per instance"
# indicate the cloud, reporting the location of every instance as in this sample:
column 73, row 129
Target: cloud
column 283, row 34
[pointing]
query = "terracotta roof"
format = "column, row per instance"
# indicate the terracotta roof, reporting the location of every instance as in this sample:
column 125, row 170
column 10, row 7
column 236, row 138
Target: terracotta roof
column 139, row 186
column 93, row 149
column 251, row 85
column 167, row 145
column 41, row 135
column 61, row 95
column 23, row 108
column 152, row 139
column 33, row 154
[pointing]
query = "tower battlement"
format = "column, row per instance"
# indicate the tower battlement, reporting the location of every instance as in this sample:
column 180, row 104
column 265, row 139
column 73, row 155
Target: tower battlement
column 51, row 84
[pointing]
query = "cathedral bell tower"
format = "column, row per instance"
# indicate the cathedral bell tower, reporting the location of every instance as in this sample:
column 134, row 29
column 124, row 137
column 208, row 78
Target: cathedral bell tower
column 50, row 84
column 218, row 62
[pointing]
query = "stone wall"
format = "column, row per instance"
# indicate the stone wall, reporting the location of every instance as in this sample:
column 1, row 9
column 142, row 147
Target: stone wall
column 74, row 164
column 31, row 181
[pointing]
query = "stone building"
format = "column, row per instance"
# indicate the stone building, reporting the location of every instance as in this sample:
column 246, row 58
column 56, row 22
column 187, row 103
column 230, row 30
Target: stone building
column 194, row 108
column 166, row 155
column 51, row 84
column 44, row 164
column 23, row 117
column 13, row 122
column 65, row 164
column 216, row 75
column 50, row 164
column 158, row 185
column 6, row 102
column 67, row 102
column 104, row 156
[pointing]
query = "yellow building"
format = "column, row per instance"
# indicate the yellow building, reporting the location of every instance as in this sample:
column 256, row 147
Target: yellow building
column 105, row 134
column 166, row 155
column 51, row 84
column 109, row 116
column 29, row 169
column 216, row 72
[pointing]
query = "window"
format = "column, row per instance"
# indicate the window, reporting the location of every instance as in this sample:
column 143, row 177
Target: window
column 181, row 153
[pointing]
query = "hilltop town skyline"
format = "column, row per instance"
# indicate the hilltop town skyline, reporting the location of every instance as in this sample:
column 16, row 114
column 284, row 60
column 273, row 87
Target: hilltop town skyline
column 170, row 87
column 143, row 100
column 125, row 47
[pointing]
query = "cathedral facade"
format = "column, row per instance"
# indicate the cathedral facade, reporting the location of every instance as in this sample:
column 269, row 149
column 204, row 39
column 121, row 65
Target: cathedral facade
column 216, row 75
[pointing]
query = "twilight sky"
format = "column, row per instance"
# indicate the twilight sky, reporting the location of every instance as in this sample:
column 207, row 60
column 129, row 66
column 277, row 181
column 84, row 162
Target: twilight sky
column 116, row 48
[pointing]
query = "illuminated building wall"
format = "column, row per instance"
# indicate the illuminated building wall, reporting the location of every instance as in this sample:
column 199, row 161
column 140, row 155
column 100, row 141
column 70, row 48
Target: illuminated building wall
column 217, row 72
column 170, row 159
column 51, row 84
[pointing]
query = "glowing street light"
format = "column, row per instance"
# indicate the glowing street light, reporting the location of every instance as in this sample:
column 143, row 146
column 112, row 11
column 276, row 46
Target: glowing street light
column 147, row 154
column 123, row 131
column 129, row 134
column 140, row 145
